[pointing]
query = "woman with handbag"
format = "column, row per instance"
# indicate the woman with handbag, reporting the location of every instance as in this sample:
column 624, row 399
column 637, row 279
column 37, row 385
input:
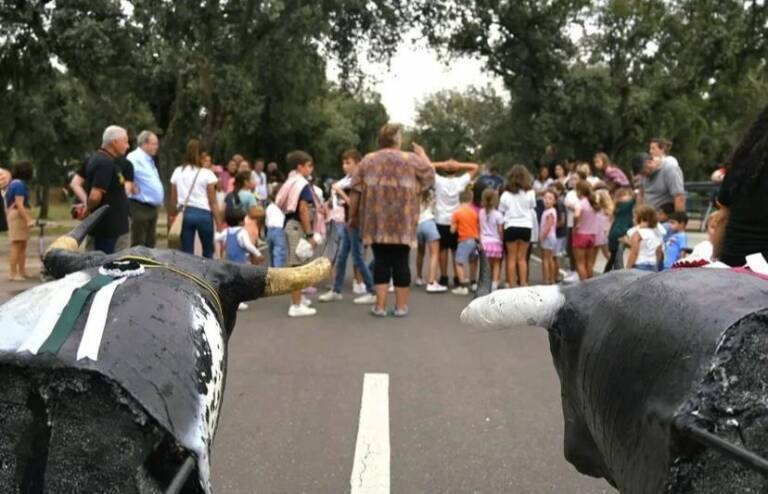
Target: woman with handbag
column 193, row 192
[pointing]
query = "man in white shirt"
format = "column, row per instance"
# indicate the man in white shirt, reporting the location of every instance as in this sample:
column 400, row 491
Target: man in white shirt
column 457, row 177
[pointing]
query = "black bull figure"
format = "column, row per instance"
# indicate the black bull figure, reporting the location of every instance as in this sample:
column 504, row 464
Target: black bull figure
column 664, row 381
column 112, row 378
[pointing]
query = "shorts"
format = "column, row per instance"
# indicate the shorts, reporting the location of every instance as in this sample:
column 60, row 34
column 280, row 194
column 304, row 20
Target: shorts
column 466, row 251
column 516, row 233
column 549, row 243
column 448, row 240
column 427, row 232
column 18, row 231
column 493, row 249
column 293, row 233
column 583, row 240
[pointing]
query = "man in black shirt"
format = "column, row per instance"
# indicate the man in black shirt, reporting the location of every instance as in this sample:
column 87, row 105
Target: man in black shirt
column 105, row 184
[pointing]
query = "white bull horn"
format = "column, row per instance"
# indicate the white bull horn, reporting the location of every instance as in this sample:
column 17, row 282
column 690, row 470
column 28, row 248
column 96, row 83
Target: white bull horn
column 525, row 306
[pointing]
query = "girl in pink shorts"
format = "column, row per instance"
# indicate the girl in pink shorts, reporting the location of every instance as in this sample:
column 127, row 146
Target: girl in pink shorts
column 491, row 233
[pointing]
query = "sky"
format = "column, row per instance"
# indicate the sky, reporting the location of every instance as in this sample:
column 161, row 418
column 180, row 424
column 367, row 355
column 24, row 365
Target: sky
column 416, row 72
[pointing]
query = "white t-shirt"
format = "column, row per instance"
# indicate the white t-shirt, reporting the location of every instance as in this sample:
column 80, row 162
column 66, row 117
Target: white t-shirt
column 427, row 211
column 517, row 208
column 703, row 250
column 650, row 240
column 571, row 201
column 447, row 190
column 274, row 216
column 259, row 179
column 183, row 177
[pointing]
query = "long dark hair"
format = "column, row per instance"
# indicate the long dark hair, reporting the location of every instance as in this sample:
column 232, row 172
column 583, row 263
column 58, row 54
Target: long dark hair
column 748, row 162
column 241, row 178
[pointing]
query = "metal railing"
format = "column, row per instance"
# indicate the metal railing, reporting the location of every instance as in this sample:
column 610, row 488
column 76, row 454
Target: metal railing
column 700, row 201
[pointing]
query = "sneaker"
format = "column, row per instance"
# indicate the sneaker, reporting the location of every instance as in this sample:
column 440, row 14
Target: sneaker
column 419, row 282
column 460, row 290
column 358, row 288
column 366, row 299
column 391, row 287
column 572, row 277
column 330, row 296
column 436, row 287
column 494, row 286
column 305, row 301
column 378, row 312
column 473, row 287
column 301, row 311
column 400, row 312
column 242, row 306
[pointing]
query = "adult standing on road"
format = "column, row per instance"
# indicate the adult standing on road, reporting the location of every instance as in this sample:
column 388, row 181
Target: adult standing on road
column 744, row 199
column 384, row 206
column 148, row 195
column 661, row 183
column 105, row 184
column 193, row 189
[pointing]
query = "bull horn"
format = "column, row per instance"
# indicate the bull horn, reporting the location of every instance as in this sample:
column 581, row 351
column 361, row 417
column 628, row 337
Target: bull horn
column 71, row 241
column 285, row 280
column 526, row 306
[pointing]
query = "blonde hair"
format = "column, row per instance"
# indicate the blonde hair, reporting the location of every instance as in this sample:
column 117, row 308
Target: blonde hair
column 605, row 201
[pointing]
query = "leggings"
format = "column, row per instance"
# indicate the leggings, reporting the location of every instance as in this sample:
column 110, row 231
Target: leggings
column 391, row 262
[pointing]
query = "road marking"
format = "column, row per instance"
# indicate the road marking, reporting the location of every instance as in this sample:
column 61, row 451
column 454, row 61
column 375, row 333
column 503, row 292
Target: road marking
column 370, row 472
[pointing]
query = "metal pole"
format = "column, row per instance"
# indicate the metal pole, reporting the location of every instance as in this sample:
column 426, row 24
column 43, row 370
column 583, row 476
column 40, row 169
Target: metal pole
column 181, row 476
column 737, row 453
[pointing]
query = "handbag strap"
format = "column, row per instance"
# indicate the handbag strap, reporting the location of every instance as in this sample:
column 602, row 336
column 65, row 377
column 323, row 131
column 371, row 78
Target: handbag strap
column 191, row 188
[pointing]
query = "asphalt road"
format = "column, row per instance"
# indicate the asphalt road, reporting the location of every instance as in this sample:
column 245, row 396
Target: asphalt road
column 469, row 411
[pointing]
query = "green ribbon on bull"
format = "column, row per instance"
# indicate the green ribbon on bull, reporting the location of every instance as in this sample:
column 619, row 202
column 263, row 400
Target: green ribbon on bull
column 71, row 312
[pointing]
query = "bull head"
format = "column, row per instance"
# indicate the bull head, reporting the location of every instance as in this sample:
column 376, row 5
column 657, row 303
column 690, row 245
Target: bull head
column 121, row 362
column 652, row 368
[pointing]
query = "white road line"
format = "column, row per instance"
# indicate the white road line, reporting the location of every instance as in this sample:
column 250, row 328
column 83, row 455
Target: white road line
column 370, row 472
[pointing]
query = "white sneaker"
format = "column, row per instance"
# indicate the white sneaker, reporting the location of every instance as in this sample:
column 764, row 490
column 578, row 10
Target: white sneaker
column 301, row 311
column 358, row 288
column 242, row 306
column 330, row 296
column 572, row 277
column 366, row 299
column 494, row 286
column 305, row 301
column 473, row 287
column 436, row 287
column 460, row 290
column 419, row 282
column 391, row 287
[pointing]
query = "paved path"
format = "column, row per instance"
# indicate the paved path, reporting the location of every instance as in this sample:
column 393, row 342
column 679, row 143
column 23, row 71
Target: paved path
column 468, row 411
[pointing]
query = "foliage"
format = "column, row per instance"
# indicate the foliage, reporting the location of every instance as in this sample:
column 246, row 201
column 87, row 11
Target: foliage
column 610, row 74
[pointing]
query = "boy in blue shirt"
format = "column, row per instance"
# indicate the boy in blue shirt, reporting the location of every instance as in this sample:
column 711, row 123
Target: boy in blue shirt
column 676, row 238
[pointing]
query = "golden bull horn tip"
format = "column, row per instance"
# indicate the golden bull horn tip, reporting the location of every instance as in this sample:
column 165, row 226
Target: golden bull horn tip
column 63, row 243
column 281, row 281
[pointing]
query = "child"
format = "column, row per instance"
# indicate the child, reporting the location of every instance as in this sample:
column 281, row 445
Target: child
column 491, row 233
column 645, row 240
column 19, row 219
column 465, row 223
column 428, row 238
column 704, row 250
column 548, row 238
column 604, row 219
column 517, row 204
column 663, row 214
column 585, row 230
column 622, row 222
column 676, row 238
column 277, row 245
column 236, row 240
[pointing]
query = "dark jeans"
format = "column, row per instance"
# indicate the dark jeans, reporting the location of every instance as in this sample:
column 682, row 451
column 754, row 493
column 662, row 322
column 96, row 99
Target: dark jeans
column 143, row 224
column 106, row 245
column 198, row 221
column 616, row 260
column 391, row 262
column 351, row 243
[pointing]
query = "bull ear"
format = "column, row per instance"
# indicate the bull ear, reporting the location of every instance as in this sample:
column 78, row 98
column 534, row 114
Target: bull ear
column 526, row 306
